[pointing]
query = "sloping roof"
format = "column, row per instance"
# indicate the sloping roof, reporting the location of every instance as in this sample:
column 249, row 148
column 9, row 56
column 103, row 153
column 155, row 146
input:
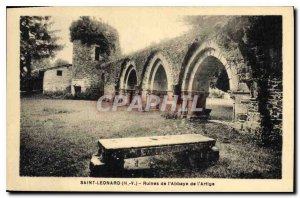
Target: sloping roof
column 56, row 67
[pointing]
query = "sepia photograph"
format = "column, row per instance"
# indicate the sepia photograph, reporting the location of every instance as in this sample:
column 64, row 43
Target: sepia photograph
column 150, row 98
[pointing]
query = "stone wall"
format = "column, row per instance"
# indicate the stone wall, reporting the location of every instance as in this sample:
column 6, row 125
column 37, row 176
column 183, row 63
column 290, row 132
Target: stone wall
column 275, row 104
column 55, row 83
column 249, row 95
column 96, row 78
column 85, row 73
column 272, row 119
column 247, row 62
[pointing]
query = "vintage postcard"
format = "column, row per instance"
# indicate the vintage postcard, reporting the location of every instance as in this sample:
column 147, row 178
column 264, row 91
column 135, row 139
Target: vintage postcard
column 150, row 99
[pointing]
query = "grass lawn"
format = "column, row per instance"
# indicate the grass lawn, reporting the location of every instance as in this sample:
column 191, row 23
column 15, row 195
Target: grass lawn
column 58, row 138
column 222, row 109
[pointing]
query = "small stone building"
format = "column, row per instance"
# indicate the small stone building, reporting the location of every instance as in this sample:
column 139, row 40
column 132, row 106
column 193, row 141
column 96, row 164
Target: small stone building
column 57, row 80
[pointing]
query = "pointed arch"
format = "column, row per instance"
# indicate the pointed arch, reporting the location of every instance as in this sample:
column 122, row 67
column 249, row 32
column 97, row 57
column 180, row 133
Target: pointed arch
column 195, row 60
column 129, row 69
column 154, row 66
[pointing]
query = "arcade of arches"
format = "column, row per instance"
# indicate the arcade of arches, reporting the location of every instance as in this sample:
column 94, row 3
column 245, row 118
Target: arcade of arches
column 205, row 68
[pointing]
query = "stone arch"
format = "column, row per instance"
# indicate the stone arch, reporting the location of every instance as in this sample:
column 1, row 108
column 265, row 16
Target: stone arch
column 128, row 72
column 131, row 80
column 159, row 80
column 194, row 79
column 155, row 65
column 207, row 50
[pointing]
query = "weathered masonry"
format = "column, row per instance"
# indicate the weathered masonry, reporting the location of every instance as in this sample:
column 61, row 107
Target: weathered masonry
column 248, row 67
column 87, row 80
column 57, row 79
column 187, row 72
column 160, row 73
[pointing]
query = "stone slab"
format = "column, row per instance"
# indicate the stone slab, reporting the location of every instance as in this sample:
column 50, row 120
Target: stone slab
column 153, row 141
column 194, row 148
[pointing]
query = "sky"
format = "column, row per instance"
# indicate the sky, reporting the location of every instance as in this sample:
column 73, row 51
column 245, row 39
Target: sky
column 136, row 31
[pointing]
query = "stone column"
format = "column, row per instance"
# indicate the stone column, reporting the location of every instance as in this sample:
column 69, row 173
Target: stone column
column 156, row 93
column 241, row 104
column 145, row 94
column 200, row 103
column 183, row 114
column 130, row 94
column 122, row 92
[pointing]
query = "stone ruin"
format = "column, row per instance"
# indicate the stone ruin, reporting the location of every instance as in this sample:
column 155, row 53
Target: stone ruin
column 178, row 68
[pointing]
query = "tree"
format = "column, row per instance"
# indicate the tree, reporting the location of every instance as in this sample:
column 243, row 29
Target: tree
column 43, row 63
column 91, row 31
column 36, row 42
column 206, row 26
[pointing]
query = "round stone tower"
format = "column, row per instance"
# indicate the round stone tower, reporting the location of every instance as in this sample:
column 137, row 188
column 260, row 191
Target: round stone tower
column 86, row 78
column 94, row 43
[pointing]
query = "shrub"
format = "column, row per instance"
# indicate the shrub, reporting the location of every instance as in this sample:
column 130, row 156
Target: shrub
column 58, row 94
column 170, row 115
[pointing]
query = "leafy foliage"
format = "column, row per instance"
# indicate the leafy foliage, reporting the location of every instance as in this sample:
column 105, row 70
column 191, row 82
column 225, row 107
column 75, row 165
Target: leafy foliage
column 43, row 63
column 36, row 42
column 259, row 39
column 206, row 26
column 91, row 31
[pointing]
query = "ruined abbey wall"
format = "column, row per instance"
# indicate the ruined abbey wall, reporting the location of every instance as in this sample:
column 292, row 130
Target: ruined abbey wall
column 187, row 64
column 243, row 87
